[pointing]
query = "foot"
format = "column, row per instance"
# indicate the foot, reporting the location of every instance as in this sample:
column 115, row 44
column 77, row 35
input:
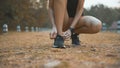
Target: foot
column 75, row 39
column 58, row 42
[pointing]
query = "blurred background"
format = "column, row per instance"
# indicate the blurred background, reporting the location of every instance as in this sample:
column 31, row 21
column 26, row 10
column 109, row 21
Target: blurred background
column 34, row 13
column 32, row 47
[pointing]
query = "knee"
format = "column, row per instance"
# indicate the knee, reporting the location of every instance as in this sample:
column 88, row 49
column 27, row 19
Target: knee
column 94, row 23
column 96, row 26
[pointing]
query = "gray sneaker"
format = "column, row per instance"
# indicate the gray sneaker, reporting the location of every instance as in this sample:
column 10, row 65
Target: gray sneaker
column 75, row 39
column 59, row 42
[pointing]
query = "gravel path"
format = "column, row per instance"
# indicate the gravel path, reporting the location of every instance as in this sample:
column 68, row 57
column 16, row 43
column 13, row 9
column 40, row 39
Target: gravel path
column 34, row 50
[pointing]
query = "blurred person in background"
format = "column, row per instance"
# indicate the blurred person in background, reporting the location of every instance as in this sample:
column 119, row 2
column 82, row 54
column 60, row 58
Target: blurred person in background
column 68, row 21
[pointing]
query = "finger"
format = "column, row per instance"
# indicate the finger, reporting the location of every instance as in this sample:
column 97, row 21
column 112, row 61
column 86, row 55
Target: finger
column 51, row 36
column 67, row 36
column 54, row 35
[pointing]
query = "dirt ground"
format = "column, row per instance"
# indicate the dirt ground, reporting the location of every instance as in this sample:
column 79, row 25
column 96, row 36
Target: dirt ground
column 34, row 50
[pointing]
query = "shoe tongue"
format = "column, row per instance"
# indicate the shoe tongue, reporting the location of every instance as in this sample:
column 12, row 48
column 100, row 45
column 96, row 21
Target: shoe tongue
column 59, row 36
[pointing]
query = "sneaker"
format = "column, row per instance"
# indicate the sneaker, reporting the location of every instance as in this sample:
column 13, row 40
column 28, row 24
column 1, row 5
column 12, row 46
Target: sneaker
column 58, row 42
column 75, row 39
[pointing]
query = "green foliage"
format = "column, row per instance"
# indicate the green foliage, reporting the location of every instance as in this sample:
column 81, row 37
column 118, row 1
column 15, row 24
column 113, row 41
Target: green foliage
column 105, row 14
column 23, row 12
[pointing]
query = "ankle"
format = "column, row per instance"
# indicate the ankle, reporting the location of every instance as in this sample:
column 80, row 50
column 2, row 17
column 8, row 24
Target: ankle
column 60, row 34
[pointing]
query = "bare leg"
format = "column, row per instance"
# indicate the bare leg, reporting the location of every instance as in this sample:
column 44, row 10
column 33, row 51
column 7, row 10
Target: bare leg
column 88, row 25
column 59, row 11
column 66, row 23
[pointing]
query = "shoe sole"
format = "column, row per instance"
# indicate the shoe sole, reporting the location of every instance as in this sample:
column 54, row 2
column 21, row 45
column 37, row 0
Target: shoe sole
column 58, row 46
column 74, row 45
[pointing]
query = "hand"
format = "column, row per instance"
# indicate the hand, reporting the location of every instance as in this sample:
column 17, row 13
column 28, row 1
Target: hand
column 67, row 34
column 53, row 33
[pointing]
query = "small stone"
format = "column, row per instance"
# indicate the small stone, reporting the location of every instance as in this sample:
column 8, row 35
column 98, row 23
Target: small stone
column 52, row 64
column 93, row 49
column 111, row 55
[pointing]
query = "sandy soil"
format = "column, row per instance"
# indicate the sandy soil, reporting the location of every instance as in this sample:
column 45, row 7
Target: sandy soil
column 34, row 50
